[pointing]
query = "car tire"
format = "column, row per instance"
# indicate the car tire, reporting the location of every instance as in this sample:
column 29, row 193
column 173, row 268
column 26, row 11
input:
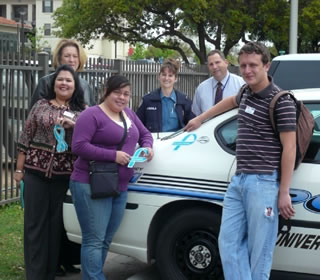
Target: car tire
column 187, row 247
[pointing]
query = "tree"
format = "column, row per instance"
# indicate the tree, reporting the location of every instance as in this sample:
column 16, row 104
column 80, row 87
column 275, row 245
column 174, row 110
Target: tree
column 157, row 54
column 138, row 52
column 309, row 27
column 153, row 52
column 165, row 24
column 197, row 24
column 38, row 43
column 272, row 24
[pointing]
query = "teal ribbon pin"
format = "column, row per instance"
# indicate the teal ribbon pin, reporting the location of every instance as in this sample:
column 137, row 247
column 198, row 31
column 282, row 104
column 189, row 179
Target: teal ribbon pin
column 59, row 134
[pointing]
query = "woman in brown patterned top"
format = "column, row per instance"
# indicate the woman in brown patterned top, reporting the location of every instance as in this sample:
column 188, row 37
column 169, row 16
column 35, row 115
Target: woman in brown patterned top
column 45, row 165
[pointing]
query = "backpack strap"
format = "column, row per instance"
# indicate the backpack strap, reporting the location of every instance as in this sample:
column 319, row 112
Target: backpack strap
column 242, row 90
column 273, row 105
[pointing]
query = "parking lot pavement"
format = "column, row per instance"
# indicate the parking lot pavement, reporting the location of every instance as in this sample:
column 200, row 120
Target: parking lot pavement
column 119, row 267
column 149, row 273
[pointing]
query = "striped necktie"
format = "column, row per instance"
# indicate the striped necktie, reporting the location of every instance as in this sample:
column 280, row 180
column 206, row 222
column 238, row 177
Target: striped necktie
column 218, row 96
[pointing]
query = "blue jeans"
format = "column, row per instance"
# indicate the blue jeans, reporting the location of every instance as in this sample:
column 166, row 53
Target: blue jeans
column 249, row 226
column 99, row 220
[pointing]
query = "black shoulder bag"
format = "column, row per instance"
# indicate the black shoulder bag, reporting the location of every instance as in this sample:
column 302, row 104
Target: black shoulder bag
column 104, row 177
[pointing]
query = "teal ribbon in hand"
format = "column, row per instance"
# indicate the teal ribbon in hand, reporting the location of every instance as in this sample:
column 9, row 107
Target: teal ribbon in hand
column 137, row 158
column 22, row 193
column 59, row 134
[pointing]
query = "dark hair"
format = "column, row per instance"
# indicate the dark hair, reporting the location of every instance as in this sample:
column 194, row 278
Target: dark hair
column 76, row 102
column 220, row 53
column 114, row 83
column 172, row 65
column 258, row 48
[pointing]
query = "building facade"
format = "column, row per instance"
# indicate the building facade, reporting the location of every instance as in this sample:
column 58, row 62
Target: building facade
column 38, row 14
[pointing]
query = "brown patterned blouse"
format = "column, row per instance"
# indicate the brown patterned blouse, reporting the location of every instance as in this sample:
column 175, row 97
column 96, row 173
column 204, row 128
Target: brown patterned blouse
column 38, row 143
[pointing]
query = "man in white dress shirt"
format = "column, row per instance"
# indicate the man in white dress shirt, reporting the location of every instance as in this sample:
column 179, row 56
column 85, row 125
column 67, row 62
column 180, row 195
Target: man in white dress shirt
column 224, row 83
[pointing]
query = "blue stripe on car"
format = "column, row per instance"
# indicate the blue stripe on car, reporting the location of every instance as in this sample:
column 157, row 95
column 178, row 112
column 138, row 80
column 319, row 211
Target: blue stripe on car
column 173, row 191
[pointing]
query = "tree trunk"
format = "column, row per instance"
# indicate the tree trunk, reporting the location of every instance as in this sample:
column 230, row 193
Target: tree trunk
column 202, row 44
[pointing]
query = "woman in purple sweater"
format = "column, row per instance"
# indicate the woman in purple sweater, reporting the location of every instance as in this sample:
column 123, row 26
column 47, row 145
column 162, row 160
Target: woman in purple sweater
column 97, row 133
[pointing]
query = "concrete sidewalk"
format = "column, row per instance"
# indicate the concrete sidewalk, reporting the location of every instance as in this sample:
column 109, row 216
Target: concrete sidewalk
column 119, row 267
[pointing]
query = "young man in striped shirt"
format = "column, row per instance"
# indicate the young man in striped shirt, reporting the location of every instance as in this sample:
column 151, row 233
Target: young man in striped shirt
column 257, row 192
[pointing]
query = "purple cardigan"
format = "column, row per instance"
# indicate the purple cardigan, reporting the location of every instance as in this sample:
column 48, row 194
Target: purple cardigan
column 96, row 137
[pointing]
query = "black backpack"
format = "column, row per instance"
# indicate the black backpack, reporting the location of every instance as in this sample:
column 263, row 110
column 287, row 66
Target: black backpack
column 305, row 125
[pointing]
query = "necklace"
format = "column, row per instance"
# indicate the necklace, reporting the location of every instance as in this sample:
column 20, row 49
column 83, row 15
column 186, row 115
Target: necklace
column 59, row 104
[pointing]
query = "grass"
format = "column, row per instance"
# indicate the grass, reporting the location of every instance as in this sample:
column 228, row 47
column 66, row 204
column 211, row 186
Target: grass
column 11, row 242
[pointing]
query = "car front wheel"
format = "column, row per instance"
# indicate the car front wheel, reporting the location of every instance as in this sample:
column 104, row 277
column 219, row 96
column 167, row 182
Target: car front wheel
column 187, row 247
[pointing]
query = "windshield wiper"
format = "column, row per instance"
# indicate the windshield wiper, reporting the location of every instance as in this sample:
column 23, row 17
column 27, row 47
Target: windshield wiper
column 174, row 134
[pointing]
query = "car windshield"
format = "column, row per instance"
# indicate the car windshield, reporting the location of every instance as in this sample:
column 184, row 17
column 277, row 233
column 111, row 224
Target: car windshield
column 295, row 74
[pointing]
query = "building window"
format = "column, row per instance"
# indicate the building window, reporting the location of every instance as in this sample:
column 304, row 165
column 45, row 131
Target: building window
column 47, row 29
column 3, row 11
column 47, row 6
column 17, row 10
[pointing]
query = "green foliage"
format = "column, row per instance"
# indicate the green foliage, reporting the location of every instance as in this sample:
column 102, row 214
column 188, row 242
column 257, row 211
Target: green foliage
column 197, row 24
column 11, row 242
column 273, row 51
column 232, row 59
column 156, row 53
column 138, row 52
column 166, row 25
column 38, row 43
column 153, row 52
column 272, row 23
column 309, row 27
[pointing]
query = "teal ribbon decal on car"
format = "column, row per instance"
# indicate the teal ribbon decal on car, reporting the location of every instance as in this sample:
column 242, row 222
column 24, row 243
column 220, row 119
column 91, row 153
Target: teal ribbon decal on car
column 59, row 134
column 184, row 141
column 137, row 158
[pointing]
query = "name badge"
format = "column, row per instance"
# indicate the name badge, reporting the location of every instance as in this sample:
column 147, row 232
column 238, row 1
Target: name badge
column 249, row 110
column 151, row 108
column 69, row 115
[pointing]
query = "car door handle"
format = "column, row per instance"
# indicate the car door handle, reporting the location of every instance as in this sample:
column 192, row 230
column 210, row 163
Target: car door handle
column 203, row 139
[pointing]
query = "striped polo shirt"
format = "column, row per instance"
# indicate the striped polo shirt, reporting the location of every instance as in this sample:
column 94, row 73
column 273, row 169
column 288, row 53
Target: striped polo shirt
column 258, row 146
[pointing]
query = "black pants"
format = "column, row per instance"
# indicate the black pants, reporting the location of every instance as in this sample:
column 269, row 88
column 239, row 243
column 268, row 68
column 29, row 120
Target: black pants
column 69, row 251
column 42, row 224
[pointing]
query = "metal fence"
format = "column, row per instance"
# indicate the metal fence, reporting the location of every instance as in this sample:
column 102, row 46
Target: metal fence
column 19, row 75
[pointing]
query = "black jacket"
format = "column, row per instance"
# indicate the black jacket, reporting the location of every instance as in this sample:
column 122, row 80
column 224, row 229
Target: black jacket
column 44, row 85
column 150, row 110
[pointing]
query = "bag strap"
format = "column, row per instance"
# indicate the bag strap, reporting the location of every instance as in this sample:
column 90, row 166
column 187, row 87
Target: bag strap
column 273, row 105
column 242, row 90
column 124, row 133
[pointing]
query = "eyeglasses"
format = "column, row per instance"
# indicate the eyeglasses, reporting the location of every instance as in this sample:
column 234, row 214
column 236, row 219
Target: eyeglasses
column 118, row 93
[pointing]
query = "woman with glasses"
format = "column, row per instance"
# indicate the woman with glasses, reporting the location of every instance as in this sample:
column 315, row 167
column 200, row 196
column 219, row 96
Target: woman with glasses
column 97, row 133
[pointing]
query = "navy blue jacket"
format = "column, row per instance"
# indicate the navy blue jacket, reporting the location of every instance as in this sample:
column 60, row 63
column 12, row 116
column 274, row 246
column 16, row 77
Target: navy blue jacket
column 150, row 110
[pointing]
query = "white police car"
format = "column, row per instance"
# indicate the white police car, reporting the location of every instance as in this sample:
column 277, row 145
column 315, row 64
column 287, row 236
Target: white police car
column 175, row 202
